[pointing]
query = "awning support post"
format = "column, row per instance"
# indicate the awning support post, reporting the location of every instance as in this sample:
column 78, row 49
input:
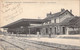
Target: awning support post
column 29, row 31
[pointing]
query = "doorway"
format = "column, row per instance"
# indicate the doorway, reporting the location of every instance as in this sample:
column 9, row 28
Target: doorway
column 55, row 30
column 63, row 30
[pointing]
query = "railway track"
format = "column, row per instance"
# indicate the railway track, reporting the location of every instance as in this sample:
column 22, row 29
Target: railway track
column 22, row 44
column 5, row 45
column 25, row 45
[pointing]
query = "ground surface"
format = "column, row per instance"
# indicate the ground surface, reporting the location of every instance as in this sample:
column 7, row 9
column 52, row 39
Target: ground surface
column 17, row 43
column 21, row 43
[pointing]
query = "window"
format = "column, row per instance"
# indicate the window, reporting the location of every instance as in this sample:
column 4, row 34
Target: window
column 51, row 30
column 21, row 27
column 46, row 30
column 54, row 20
column 49, row 21
column 66, row 13
column 43, row 23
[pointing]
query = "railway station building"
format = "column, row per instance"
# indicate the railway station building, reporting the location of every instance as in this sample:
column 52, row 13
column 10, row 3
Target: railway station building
column 60, row 23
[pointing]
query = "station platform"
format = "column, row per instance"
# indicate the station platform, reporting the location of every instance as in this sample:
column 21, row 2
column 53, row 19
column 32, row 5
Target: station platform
column 62, row 41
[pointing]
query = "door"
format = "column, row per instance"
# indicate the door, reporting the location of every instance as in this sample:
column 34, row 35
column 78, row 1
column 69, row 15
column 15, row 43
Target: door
column 63, row 30
column 55, row 30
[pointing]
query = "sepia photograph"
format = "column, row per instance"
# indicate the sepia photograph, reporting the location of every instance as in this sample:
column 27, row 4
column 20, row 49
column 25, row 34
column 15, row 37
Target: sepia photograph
column 39, row 24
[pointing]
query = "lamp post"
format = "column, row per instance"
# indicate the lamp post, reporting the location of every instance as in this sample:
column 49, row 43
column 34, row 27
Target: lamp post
column 22, row 27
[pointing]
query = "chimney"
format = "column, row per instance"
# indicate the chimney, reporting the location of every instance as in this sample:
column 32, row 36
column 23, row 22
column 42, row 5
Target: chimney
column 50, row 13
column 62, row 10
column 38, row 17
column 71, row 11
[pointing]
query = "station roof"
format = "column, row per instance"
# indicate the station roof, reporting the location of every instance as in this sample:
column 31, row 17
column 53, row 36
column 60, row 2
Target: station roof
column 23, row 22
column 72, row 22
column 58, row 14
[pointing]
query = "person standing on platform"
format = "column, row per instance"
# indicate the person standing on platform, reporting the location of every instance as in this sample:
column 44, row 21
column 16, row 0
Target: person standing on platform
column 38, row 34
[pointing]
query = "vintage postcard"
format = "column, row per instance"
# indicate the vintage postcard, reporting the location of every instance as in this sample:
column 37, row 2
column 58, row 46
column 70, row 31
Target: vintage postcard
column 39, row 24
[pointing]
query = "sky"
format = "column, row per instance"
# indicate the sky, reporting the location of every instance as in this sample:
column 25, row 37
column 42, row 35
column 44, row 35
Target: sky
column 12, row 10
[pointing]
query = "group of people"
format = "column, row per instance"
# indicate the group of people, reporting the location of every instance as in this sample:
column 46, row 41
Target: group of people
column 38, row 34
